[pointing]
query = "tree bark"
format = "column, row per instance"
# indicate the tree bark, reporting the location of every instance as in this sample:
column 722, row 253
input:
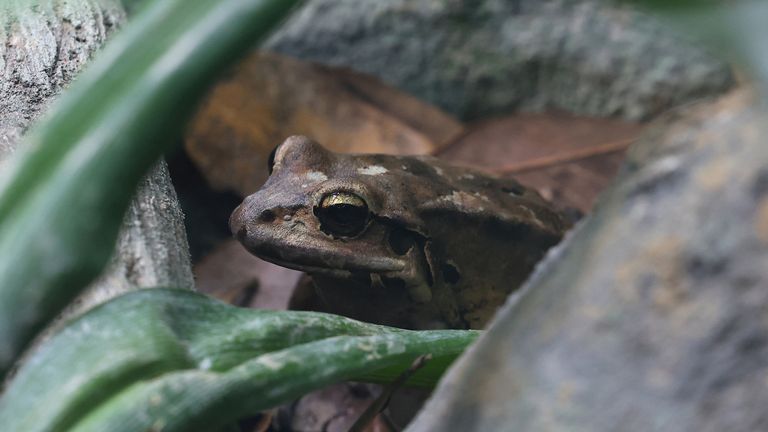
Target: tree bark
column 41, row 50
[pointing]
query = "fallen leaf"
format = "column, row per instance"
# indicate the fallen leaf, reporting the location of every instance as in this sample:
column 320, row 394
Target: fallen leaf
column 334, row 408
column 435, row 124
column 233, row 275
column 269, row 97
column 569, row 159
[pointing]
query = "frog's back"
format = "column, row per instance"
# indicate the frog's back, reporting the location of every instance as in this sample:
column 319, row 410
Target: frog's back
column 436, row 186
column 486, row 233
column 398, row 240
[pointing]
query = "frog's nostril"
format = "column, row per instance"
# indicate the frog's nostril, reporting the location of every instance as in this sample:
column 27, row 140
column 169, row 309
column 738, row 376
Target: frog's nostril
column 267, row 216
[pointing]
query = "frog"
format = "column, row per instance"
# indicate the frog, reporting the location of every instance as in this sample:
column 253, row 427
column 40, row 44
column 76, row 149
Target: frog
column 407, row 241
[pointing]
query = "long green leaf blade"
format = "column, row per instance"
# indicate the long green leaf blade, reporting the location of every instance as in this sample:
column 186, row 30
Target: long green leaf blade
column 181, row 360
column 62, row 202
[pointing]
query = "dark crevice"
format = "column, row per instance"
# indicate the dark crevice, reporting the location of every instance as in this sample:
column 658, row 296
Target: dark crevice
column 516, row 190
column 206, row 211
column 394, row 284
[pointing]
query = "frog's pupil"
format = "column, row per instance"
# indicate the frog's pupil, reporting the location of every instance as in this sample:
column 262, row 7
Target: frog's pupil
column 346, row 214
column 342, row 218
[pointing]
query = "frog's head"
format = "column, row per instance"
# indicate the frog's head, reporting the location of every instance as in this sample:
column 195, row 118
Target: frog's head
column 336, row 215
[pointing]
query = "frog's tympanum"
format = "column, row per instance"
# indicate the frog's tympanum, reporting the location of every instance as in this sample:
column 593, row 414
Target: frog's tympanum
column 408, row 241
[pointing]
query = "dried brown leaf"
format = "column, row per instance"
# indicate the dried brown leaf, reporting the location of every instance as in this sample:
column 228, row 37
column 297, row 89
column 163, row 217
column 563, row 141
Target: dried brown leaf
column 233, row 275
column 568, row 159
column 269, row 97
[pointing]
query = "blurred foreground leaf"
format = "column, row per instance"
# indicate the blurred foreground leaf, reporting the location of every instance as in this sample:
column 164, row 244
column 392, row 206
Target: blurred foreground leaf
column 174, row 360
column 62, row 201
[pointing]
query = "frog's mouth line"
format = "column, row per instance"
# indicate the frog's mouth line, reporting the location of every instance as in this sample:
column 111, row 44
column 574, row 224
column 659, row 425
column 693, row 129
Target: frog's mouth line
column 301, row 262
column 327, row 271
column 301, row 256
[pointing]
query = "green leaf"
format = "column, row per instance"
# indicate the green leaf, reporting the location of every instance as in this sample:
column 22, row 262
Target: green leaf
column 177, row 359
column 62, row 201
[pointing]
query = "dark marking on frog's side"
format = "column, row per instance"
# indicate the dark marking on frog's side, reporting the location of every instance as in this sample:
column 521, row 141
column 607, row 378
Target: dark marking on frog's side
column 397, row 240
column 517, row 190
column 401, row 241
column 451, row 273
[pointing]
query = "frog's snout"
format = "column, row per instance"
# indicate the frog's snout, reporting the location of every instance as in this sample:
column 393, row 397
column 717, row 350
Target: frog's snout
column 254, row 216
column 237, row 225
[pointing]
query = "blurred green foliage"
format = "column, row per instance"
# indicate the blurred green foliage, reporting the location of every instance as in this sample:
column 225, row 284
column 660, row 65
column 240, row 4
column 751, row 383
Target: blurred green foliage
column 180, row 359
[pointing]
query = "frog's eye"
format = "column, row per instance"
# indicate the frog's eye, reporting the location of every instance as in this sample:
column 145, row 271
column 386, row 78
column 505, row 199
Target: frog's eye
column 342, row 214
column 271, row 160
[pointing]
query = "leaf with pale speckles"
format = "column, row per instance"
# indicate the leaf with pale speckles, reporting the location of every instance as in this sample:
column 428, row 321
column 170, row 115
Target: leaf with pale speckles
column 184, row 361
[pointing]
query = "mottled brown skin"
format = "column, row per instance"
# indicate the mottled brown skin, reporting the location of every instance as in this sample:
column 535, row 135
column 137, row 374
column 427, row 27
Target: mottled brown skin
column 443, row 246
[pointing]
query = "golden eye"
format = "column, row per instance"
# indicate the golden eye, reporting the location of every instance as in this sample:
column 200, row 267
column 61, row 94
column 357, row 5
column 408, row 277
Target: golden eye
column 342, row 214
column 343, row 198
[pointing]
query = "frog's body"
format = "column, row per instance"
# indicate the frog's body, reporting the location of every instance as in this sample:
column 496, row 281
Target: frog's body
column 399, row 240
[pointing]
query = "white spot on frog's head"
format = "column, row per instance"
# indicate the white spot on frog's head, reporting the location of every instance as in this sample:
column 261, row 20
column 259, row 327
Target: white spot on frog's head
column 372, row 170
column 468, row 176
column 316, row 176
column 404, row 168
column 438, row 170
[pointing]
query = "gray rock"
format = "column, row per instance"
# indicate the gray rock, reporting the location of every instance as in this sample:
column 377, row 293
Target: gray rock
column 652, row 315
column 476, row 58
